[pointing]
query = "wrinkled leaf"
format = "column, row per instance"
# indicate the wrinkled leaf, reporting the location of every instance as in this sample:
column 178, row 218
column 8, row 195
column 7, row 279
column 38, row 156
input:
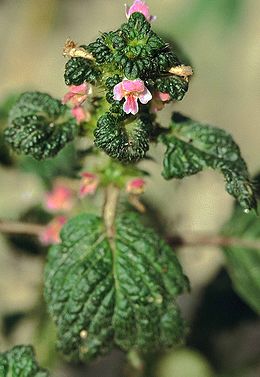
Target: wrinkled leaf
column 192, row 147
column 20, row 362
column 102, row 292
column 39, row 125
column 127, row 142
column 243, row 261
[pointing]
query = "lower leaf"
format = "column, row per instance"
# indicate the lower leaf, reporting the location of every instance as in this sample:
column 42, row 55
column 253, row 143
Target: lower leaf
column 123, row 291
column 243, row 258
column 20, row 362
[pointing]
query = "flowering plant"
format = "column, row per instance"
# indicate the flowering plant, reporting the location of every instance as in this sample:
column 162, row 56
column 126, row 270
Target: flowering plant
column 109, row 279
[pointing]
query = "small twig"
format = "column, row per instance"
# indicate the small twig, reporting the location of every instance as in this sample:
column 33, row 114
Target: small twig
column 12, row 227
column 109, row 212
column 212, row 240
column 109, row 209
column 136, row 203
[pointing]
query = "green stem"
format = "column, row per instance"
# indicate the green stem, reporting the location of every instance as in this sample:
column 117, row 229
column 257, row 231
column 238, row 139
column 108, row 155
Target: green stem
column 109, row 209
column 135, row 367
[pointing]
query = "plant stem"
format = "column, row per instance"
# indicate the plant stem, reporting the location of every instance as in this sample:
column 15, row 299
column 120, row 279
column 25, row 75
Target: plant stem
column 207, row 239
column 109, row 209
column 136, row 366
column 12, row 227
column 109, row 212
column 136, row 203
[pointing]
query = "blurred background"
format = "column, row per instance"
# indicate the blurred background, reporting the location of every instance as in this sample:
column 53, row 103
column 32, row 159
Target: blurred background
column 221, row 39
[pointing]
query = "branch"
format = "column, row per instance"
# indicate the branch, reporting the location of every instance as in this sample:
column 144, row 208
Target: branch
column 203, row 240
column 109, row 212
column 109, row 209
column 12, row 227
column 136, row 203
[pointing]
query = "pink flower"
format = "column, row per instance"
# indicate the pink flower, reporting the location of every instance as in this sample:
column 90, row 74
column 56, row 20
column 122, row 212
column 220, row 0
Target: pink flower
column 51, row 233
column 158, row 101
column 59, row 199
column 131, row 90
column 136, row 186
column 77, row 94
column 79, row 113
column 141, row 7
column 88, row 185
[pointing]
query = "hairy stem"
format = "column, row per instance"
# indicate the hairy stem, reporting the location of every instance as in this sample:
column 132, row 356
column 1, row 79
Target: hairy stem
column 109, row 209
column 12, row 227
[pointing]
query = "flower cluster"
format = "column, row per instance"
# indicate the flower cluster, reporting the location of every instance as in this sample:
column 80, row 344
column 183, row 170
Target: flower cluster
column 76, row 96
column 51, row 233
column 89, row 184
column 136, row 72
column 60, row 199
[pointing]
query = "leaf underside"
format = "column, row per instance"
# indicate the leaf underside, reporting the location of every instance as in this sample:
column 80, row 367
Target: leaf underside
column 121, row 292
column 243, row 261
column 192, row 147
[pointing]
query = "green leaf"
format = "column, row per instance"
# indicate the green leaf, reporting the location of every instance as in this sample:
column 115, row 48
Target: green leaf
column 39, row 125
column 127, row 141
column 175, row 86
column 137, row 26
column 101, row 49
column 5, row 107
column 20, row 362
column 79, row 70
column 192, row 147
column 243, row 257
column 122, row 291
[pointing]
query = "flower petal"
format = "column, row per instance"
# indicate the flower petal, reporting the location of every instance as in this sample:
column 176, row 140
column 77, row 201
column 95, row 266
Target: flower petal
column 118, row 92
column 135, row 186
column 79, row 89
column 78, row 99
column 131, row 105
column 141, row 7
column 89, row 184
column 67, row 97
column 136, row 86
column 164, row 96
column 59, row 199
column 77, row 94
column 145, row 97
column 79, row 114
column 51, row 233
